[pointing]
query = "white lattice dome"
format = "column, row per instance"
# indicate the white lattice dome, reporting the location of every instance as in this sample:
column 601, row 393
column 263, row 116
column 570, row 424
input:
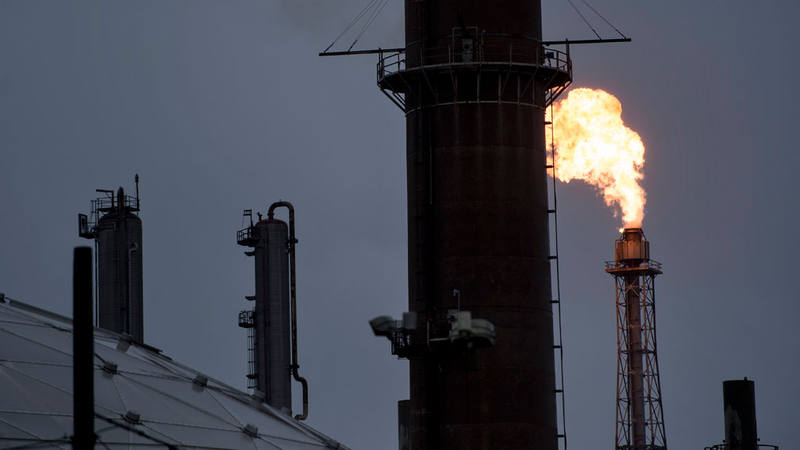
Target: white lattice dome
column 142, row 397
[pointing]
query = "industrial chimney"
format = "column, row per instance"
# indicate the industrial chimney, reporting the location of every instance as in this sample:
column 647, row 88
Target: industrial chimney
column 474, row 80
column 640, row 416
column 739, row 406
column 116, row 229
column 272, row 323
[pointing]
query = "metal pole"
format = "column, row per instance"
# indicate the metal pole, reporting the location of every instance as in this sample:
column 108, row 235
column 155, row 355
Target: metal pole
column 82, row 350
column 633, row 309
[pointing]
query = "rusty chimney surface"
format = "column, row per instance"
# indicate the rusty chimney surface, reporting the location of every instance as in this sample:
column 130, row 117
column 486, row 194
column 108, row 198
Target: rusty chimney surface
column 478, row 220
column 631, row 248
column 632, row 252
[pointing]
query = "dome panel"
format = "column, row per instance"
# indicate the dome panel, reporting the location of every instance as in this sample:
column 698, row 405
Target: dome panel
column 36, row 395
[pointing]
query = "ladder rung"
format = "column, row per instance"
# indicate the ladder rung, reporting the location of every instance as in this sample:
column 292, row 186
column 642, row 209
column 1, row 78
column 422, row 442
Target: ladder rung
column 555, row 301
column 551, row 257
column 551, row 211
column 556, row 346
column 549, row 166
column 560, row 436
column 547, row 122
column 559, row 391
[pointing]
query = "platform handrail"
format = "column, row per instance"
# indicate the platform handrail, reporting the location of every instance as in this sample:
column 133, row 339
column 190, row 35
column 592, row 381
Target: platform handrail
column 645, row 264
column 725, row 447
column 487, row 50
column 246, row 234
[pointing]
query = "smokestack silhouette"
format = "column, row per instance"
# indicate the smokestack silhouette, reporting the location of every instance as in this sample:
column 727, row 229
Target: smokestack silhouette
column 474, row 82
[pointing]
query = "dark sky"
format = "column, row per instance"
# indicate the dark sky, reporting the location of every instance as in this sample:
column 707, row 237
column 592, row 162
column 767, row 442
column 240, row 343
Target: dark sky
column 224, row 105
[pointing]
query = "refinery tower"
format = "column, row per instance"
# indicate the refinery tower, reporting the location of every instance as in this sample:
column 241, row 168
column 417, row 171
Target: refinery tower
column 116, row 229
column 474, row 80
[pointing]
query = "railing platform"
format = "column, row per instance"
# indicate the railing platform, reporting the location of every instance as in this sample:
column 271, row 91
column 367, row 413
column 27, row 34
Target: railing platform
column 400, row 72
column 726, row 447
column 247, row 237
column 645, row 265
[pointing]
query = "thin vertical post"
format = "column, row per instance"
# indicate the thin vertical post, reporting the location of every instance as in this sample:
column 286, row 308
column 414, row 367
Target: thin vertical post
column 82, row 350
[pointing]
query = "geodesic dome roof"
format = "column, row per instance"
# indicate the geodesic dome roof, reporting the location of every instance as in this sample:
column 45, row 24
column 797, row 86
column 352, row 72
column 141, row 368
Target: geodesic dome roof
column 143, row 398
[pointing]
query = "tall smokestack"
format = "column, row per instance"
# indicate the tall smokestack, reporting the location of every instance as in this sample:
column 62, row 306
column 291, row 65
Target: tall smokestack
column 739, row 401
column 640, row 417
column 116, row 229
column 739, row 406
column 474, row 81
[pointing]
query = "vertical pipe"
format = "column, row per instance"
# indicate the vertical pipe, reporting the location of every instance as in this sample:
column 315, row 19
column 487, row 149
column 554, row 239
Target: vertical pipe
column 123, row 271
column 633, row 311
column 293, row 293
column 136, row 181
column 82, row 350
column 630, row 251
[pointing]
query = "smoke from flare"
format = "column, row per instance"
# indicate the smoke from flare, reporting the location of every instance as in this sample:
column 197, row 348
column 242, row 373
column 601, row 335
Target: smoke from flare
column 592, row 144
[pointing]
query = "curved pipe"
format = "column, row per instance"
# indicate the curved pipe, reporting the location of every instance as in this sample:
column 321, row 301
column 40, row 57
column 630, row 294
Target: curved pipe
column 293, row 292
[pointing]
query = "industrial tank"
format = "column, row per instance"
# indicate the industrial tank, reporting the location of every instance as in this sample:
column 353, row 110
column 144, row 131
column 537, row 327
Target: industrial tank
column 118, row 236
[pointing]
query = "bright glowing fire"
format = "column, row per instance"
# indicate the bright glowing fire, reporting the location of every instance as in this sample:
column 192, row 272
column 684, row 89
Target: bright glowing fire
column 592, row 144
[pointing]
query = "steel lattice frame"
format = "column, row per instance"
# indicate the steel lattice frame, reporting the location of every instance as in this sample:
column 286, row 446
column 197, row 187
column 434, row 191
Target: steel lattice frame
column 638, row 284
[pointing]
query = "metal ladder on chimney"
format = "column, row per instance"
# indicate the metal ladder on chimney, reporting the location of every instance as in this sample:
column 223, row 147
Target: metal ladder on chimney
column 552, row 206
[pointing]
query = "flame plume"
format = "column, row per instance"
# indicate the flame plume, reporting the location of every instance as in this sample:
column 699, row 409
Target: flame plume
column 592, row 144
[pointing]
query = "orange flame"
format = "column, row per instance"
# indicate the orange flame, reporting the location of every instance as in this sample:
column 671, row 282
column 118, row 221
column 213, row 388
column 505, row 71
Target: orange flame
column 592, row 144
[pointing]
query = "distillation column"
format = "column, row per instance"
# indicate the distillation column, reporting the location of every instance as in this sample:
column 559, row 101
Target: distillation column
column 272, row 324
column 474, row 82
column 269, row 321
column 117, row 231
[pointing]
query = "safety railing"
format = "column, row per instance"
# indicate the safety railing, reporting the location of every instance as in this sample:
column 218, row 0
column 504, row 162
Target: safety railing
column 726, row 447
column 247, row 318
column 475, row 51
column 645, row 264
column 247, row 236
column 108, row 203
column 88, row 224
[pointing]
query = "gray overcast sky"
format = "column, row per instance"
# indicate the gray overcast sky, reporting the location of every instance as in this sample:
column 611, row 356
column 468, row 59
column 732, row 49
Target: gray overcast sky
column 224, row 105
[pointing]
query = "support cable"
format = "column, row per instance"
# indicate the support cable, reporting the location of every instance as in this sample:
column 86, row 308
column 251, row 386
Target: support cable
column 604, row 19
column 558, row 277
column 373, row 16
column 352, row 23
column 584, row 18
